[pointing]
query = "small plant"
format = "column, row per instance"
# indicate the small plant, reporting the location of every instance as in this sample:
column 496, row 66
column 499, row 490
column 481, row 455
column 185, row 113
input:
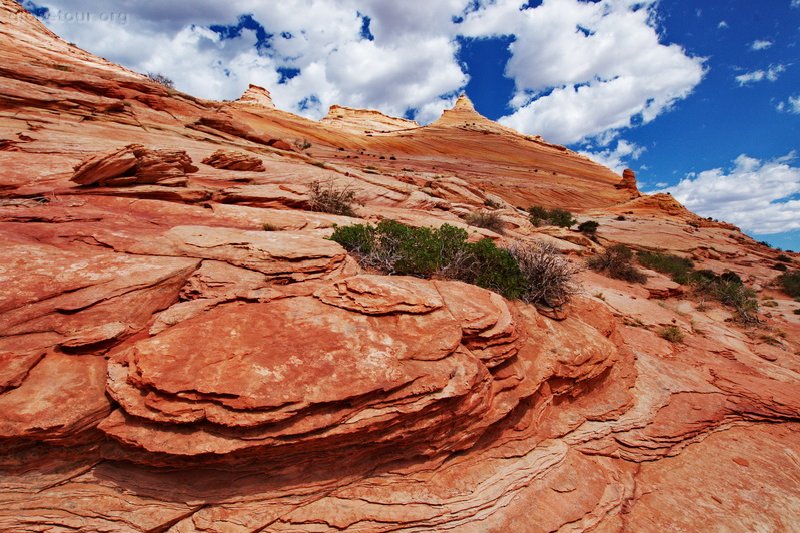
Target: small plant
column 616, row 262
column 790, row 283
column 325, row 198
column 781, row 267
column 491, row 204
column 672, row 334
column 540, row 216
column 548, row 276
column 785, row 258
column 621, row 217
column 589, row 227
column 796, row 311
column 302, row 145
column 486, row 219
column 729, row 290
column 161, row 79
column 269, row 227
column 678, row 268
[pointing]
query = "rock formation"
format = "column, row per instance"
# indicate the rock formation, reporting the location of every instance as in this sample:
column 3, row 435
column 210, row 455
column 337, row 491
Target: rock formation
column 232, row 160
column 360, row 121
column 255, row 95
column 204, row 358
column 628, row 182
column 135, row 164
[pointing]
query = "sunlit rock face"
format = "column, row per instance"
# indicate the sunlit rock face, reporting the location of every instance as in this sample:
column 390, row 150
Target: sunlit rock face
column 183, row 349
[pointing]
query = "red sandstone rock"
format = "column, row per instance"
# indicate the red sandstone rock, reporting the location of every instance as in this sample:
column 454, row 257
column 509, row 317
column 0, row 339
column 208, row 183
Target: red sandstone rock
column 166, row 364
column 231, row 160
column 135, row 164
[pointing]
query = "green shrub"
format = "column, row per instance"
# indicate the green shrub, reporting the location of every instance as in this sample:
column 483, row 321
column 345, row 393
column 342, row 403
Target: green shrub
column 540, row 216
column 269, row 227
column 790, row 283
column 326, row 198
column 785, row 258
column 729, row 290
column 616, row 262
column 395, row 248
column 678, row 268
column 671, row 333
column 621, row 217
column 781, row 267
column 589, row 227
column 796, row 311
column 486, row 219
column 491, row 204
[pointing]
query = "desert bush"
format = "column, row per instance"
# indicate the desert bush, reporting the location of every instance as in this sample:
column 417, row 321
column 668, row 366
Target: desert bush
column 671, row 333
column 678, row 268
column 326, row 198
column 790, row 283
column 728, row 289
column 549, row 277
column 486, row 219
column 491, row 204
column 785, row 258
column 589, row 227
column 269, row 227
column 781, row 267
column 540, row 216
column 616, row 261
column 161, row 79
column 621, row 217
column 534, row 274
column 302, row 145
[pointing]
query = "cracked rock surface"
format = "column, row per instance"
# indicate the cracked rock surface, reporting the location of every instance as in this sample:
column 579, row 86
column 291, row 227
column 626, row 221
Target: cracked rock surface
column 183, row 349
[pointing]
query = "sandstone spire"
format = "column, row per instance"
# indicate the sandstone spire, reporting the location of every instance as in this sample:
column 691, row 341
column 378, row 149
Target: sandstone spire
column 255, row 95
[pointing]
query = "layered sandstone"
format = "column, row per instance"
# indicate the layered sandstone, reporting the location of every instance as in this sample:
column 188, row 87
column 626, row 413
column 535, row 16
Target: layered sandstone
column 361, row 121
column 203, row 358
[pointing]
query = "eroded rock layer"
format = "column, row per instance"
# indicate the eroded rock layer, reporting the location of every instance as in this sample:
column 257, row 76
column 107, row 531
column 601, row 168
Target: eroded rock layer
column 182, row 349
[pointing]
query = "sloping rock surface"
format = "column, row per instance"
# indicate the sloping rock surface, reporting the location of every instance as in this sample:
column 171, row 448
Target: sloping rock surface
column 204, row 358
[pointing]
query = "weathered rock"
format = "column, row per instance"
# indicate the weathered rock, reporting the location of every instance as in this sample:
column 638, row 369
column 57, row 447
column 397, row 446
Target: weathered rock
column 167, row 364
column 231, row 160
column 255, row 95
column 628, row 183
column 135, row 164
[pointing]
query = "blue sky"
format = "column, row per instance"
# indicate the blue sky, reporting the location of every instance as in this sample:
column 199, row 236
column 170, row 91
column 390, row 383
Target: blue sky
column 700, row 98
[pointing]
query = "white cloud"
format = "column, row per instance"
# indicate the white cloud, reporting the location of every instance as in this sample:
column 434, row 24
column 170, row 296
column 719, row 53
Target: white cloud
column 724, row 25
column 761, row 44
column 410, row 64
column 583, row 68
column 795, row 3
column 616, row 159
column 756, row 195
column 771, row 74
column 791, row 105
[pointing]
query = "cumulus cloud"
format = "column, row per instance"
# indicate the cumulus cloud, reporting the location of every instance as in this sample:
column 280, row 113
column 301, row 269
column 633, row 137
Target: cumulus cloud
column 771, row 74
column 581, row 68
column 760, row 196
column 410, row 64
column 616, row 159
column 724, row 25
column 791, row 105
column 761, row 44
